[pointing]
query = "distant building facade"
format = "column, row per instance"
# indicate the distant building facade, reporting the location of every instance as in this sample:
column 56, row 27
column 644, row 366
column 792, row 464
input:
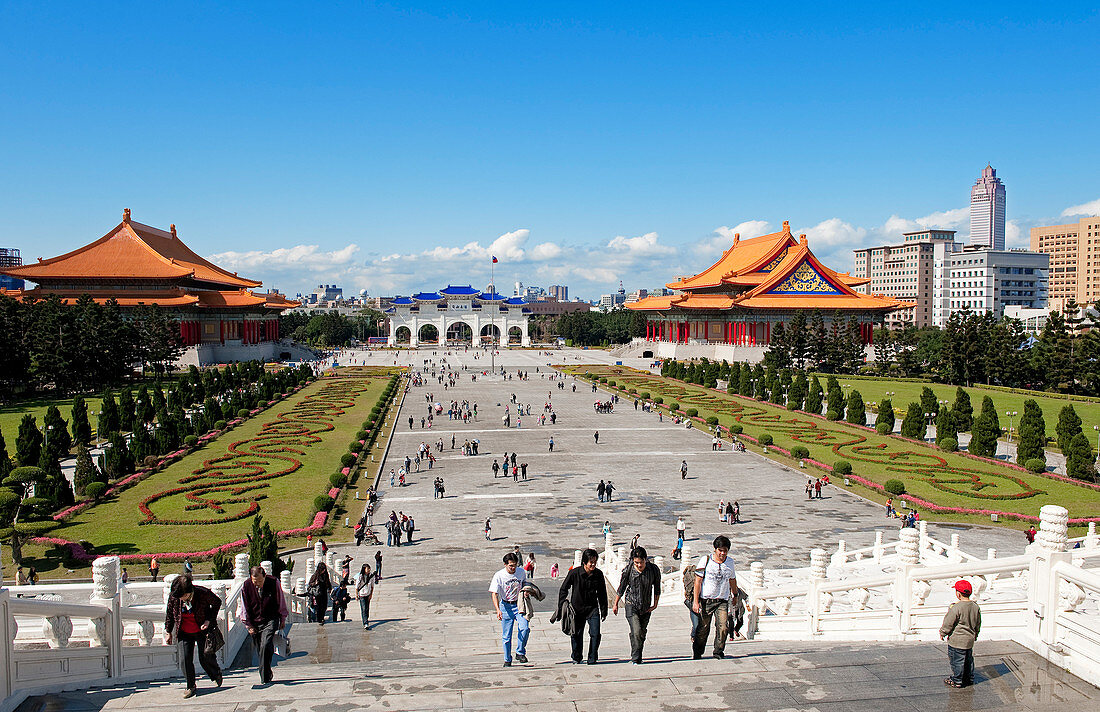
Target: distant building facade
column 907, row 272
column 987, row 211
column 559, row 292
column 9, row 257
column 1074, row 251
column 458, row 315
column 548, row 306
column 988, row 281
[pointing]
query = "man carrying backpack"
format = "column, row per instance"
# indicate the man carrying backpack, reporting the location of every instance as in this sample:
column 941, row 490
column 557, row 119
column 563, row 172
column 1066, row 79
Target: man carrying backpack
column 715, row 582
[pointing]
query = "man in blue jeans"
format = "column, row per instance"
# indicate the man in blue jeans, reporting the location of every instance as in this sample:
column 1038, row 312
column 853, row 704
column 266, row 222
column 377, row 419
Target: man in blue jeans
column 506, row 589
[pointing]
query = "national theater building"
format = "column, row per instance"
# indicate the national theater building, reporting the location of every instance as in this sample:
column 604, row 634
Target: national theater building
column 220, row 318
column 756, row 284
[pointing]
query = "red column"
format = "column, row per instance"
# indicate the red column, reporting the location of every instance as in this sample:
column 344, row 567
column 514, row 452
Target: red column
column 706, row 329
column 767, row 332
column 871, row 333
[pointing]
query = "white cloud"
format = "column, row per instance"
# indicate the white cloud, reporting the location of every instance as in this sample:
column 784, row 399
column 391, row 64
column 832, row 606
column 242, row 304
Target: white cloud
column 1084, row 209
column 307, row 256
column 642, row 246
column 833, row 232
column 722, row 237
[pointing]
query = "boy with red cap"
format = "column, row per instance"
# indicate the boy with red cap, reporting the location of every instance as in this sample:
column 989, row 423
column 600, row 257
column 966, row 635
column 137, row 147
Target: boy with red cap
column 960, row 629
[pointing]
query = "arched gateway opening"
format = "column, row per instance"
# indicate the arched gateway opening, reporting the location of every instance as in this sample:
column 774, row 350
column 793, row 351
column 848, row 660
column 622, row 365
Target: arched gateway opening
column 515, row 335
column 428, row 333
column 403, row 334
column 490, row 334
column 460, row 332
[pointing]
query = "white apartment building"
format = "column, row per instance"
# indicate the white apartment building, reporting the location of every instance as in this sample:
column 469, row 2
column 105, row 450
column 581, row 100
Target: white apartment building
column 986, row 281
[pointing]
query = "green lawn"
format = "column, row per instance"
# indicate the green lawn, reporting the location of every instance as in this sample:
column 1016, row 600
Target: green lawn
column 942, row 478
column 873, row 389
column 289, row 451
column 12, row 413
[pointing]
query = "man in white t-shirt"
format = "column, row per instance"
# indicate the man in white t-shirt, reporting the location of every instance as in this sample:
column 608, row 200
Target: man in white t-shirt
column 715, row 584
column 681, row 528
column 506, row 588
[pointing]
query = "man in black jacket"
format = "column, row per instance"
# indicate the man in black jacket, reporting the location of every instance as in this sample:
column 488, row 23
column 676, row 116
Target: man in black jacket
column 641, row 587
column 586, row 591
column 264, row 615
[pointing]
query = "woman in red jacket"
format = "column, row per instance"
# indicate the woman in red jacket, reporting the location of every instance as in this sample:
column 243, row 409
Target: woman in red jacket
column 191, row 613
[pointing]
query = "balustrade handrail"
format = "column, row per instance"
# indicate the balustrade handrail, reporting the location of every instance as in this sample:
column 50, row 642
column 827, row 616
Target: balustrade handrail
column 1074, row 574
column 983, row 567
column 36, row 607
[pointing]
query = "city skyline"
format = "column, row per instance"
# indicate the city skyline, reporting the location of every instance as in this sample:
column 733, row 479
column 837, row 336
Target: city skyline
column 583, row 147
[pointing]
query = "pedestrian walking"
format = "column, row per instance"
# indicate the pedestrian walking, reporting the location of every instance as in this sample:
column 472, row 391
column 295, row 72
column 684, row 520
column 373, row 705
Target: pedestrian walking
column 681, row 528
column 488, row 529
column 582, row 599
column 715, row 581
column 684, row 470
column 960, row 629
column 596, row 435
column 264, row 614
column 505, row 589
column 317, row 591
column 191, row 620
column 640, row 587
column 496, row 469
column 601, row 490
column 551, row 444
column 378, row 566
column 188, row 568
column 529, row 566
column 609, row 489
column 364, row 590
column 154, row 569
column 523, row 471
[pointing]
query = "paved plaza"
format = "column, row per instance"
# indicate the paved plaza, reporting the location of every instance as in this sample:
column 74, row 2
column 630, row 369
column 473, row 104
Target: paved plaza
column 434, row 643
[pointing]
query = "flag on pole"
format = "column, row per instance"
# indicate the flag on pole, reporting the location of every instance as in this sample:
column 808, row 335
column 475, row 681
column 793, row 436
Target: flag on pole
column 494, row 259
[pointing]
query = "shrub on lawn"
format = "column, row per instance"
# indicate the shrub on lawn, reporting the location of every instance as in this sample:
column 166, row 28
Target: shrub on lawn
column 219, row 425
column 1035, row 464
column 603, row 379
column 658, row 400
column 191, row 440
column 347, row 459
column 883, row 428
column 354, row 446
column 894, row 487
column 842, row 467
column 736, row 428
column 337, row 479
column 645, row 395
column 692, row 412
column 766, row 439
column 800, row 451
column 322, row 503
column 832, row 415
column 712, row 420
column 674, row 406
column 611, row 383
column 361, row 435
column 95, row 490
column 948, row 444
column 243, row 413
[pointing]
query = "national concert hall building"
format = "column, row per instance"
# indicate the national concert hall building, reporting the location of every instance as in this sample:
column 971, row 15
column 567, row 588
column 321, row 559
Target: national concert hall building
column 732, row 307
column 220, row 318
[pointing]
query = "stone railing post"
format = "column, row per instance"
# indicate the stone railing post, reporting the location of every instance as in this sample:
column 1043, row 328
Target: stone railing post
column 267, row 567
column 169, row 579
column 240, row 567
column 318, row 552
column 311, row 568
column 817, row 602
column 908, row 559
column 878, row 546
column 1043, row 588
column 7, row 633
column 105, row 577
column 755, row 588
column 1091, row 540
column 922, row 528
column 955, row 556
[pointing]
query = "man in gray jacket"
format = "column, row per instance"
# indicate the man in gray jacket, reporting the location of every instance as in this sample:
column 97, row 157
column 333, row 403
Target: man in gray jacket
column 960, row 629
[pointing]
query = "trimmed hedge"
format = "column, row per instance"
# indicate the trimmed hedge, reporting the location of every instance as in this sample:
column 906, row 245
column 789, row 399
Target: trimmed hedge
column 842, row 467
column 347, row 459
column 800, row 451
column 692, row 412
column 1035, row 465
column 765, row 439
column 323, row 503
column 337, row 479
column 894, row 487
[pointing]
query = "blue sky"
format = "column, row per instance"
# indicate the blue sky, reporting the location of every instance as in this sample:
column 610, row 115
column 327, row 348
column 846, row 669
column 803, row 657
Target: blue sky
column 392, row 147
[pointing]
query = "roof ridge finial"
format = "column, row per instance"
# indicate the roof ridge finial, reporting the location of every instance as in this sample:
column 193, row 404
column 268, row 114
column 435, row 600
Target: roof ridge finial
column 125, row 215
column 172, row 229
column 802, row 239
column 787, row 226
column 736, row 237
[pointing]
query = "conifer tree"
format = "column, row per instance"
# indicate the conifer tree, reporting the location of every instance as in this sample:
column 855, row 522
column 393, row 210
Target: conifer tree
column 85, row 473
column 928, row 400
column 983, row 436
column 108, row 417
column 945, row 426
column 744, row 382
column 1069, row 424
column 885, row 415
column 912, row 426
column 857, row 410
column 989, row 410
column 1033, row 434
column 796, row 398
column 57, row 436
column 962, row 410
column 5, row 460
column 813, row 399
column 81, row 428
column 1080, row 461
column 835, row 407
column 28, row 444
column 126, row 413
column 759, row 387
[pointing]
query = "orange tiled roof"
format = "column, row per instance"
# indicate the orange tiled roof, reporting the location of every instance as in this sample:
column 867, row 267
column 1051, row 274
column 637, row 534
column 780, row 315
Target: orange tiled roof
column 743, row 257
column 165, row 298
column 131, row 250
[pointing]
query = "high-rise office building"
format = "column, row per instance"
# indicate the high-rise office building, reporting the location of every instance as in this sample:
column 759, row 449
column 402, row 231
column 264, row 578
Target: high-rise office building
column 907, row 272
column 559, row 292
column 987, row 211
column 1074, row 251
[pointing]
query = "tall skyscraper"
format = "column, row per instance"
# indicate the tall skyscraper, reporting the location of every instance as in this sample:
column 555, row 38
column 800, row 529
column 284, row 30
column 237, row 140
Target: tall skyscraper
column 987, row 211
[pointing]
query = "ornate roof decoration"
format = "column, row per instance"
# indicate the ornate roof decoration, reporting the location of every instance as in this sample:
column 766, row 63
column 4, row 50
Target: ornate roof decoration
column 459, row 291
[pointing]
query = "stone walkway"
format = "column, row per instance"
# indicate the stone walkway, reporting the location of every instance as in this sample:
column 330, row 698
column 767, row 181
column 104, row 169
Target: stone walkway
column 434, row 643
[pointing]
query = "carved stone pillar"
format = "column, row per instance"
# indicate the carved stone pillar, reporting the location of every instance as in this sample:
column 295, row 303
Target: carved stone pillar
column 1053, row 528
column 240, row 567
column 909, row 547
column 57, row 630
column 267, row 567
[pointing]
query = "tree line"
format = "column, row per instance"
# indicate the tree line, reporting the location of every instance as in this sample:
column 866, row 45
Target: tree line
column 590, row 328
column 330, row 328
column 84, row 347
column 978, row 348
column 798, row 390
column 138, row 427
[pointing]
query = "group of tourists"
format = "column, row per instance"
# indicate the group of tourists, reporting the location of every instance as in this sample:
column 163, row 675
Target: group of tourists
column 814, row 485
column 729, row 512
column 582, row 603
column 399, row 524
column 604, row 490
column 518, row 469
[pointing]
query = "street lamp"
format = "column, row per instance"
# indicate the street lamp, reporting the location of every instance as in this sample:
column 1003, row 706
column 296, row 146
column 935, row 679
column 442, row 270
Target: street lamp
column 1097, row 429
column 1011, row 414
column 928, row 417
